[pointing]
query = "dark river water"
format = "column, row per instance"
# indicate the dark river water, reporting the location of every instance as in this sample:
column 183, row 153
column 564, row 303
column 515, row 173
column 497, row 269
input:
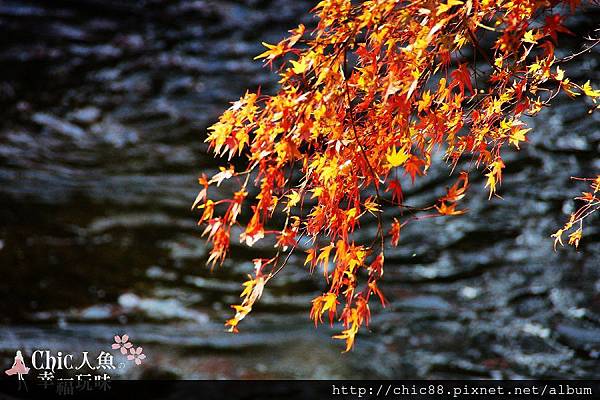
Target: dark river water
column 103, row 112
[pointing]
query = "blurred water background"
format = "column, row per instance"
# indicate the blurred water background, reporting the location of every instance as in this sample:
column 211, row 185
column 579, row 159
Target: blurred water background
column 103, row 112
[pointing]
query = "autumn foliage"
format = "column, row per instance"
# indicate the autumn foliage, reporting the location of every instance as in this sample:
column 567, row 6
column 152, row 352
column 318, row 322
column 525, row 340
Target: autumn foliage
column 366, row 100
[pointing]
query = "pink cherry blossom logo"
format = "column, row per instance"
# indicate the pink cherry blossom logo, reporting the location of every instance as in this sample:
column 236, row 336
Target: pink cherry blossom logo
column 123, row 343
column 128, row 349
column 136, row 355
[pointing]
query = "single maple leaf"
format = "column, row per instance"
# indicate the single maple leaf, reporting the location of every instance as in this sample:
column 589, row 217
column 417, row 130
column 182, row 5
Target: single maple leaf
column 462, row 78
column 413, row 167
column 395, row 187
column 397, row 158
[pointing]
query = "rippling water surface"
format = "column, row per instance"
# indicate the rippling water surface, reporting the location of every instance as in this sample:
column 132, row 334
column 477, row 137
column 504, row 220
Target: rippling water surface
column 104, row 106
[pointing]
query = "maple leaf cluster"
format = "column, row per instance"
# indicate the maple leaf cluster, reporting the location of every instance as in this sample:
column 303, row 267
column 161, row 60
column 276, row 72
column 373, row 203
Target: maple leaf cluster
column 365, row 101
column 574, row 226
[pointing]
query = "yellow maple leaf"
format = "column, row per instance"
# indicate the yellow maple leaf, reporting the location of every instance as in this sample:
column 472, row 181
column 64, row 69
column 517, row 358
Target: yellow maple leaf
column 558, row 237
column 324, row 258
column 445, row 7
column 517, row 133
column 425, row 101
column 273, row 50
column 299, row 67
column 330, row 302
column 560, row 74
column 348, row 335
column 533, row 68
column 294, row 198
column 371, row 206
column 494, row 176
column 575, row 237
column 589, row 91
column 530, row 37
column 518, row 136
column 397, row 158
column 248, row 287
